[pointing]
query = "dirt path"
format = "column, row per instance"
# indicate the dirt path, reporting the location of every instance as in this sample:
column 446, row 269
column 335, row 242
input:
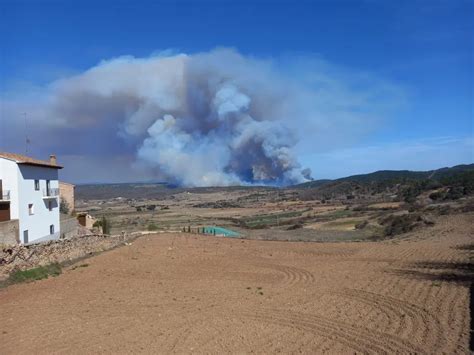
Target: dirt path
column 183, row 294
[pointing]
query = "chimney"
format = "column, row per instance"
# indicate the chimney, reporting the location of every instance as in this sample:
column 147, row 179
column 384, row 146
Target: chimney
column 52, row 159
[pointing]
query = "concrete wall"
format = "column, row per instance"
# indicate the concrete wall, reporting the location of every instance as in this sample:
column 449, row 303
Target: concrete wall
column 66, row 192
column 69, row 227
column 37, row 224
column 9, row 232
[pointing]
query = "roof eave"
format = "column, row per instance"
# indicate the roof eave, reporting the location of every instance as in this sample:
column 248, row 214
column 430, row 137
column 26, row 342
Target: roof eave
column 39, row 164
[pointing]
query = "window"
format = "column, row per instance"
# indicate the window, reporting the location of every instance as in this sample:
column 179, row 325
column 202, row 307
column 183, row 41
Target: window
column 51, row 229
column 31, row 210
column 50, row 205
column 25, row 237
column 37, row 185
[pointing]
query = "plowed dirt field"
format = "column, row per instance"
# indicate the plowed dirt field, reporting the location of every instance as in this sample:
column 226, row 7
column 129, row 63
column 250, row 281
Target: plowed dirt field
column 194, row 294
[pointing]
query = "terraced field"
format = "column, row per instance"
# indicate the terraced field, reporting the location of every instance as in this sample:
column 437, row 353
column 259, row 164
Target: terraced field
column 178, row 293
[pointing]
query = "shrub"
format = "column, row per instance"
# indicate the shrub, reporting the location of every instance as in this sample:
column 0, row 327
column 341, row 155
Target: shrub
column 455, row 193
column 152, row 227
column 362, row 225
column 104, row 224
column 410, row 193
column 64, row 207
column 444, row 210
column 399, row 225
column 295, row 226
column 438, row 195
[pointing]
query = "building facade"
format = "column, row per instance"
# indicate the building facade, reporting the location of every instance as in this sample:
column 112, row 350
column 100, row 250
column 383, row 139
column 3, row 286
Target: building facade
column 66, row 195
column 29, row 193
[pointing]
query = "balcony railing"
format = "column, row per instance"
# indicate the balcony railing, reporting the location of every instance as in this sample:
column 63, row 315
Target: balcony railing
column 5, row 195
column 50, row 193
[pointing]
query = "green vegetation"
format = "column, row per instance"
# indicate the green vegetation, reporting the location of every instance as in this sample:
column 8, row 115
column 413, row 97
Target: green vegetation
column 362, row 225
column 451, row 187
column 38, row 273
column 399, row 224
column 152, row 227
column 457, row 181
column 338, row 214
column 272, row 219
column 341, row 224
column 104, row 224
column 64, row 207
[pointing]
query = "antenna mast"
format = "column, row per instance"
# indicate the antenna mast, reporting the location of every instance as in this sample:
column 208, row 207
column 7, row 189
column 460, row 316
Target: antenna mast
column 27, row 140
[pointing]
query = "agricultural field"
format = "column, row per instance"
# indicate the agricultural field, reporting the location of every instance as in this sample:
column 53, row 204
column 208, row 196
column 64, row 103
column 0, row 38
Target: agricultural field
column 343, row 267
column 190, row 293
column 268, row 214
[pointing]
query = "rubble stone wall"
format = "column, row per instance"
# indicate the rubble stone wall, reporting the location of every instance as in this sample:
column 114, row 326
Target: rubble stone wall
column 22, row 257
column 9, row 232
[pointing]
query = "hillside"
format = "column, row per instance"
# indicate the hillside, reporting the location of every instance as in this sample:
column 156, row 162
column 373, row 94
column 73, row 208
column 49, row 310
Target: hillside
column 384, row 181
column 393, row 176
column 406, row 184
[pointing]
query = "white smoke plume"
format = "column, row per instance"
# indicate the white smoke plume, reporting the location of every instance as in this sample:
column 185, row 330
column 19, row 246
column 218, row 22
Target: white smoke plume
column 204, row 120
column 214, row 118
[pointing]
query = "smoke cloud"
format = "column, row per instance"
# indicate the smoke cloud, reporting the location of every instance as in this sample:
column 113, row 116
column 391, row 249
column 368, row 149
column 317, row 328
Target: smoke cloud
column 215, row 118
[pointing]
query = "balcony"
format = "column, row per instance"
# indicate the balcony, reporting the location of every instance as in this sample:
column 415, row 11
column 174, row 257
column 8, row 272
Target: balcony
column 50, row 193
column 5, row 196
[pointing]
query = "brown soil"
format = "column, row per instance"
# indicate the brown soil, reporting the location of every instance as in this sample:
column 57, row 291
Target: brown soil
column 185, row 293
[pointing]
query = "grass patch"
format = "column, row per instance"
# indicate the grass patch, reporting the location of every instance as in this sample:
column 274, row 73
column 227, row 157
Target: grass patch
column 152, row 227
column 268, row 220
column 38, row 273
column 344, row 224
column 339, row 214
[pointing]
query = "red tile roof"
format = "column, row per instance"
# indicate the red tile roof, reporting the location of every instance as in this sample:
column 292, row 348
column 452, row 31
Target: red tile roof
column 22, row 159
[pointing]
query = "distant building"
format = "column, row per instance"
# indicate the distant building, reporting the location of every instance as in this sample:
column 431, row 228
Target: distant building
column 29, row 193
column 66, row 195
column 86, row 220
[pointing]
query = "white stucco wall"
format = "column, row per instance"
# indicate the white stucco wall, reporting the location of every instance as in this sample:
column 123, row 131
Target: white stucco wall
column 9, row 175
column 37, row 224
column 20, row 181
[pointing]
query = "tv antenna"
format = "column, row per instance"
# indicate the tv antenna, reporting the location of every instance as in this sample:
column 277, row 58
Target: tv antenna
column 27, row 140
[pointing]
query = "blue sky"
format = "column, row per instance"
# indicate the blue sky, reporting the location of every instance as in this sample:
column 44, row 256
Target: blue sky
column 424, row 48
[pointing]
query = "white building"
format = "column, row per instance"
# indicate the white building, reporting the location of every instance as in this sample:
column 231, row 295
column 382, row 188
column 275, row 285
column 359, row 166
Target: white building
column 29, row 192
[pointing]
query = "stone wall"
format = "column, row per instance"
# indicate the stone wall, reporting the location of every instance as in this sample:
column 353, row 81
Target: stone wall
column 9, row 232
column 66, row 193
column 70, row 227
column 22, row 257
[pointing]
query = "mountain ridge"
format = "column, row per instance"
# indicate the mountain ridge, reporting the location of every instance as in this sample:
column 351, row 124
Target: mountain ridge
column 392, row 175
